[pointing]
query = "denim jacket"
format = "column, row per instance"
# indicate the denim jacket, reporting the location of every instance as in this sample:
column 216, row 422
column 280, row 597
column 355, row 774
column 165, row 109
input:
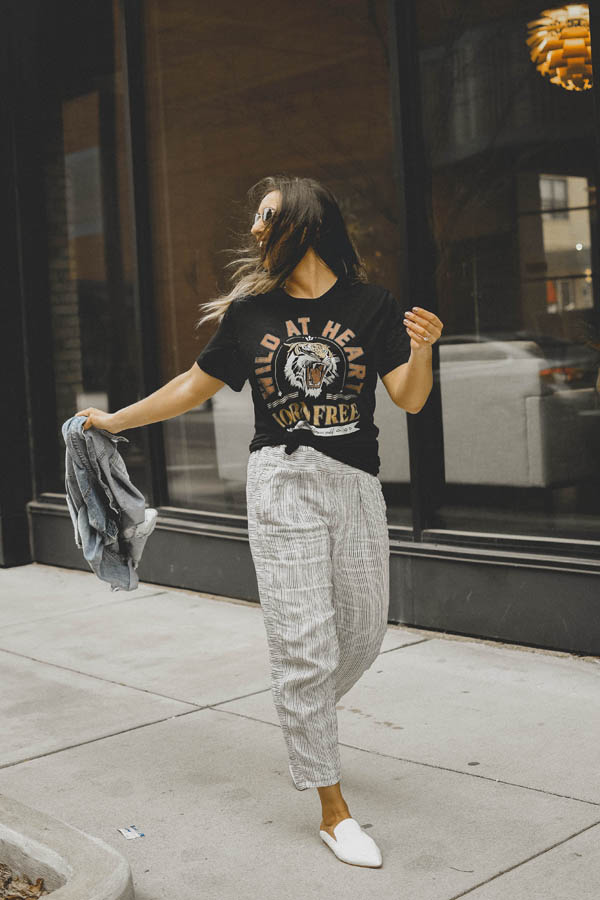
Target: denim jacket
column 108, row 513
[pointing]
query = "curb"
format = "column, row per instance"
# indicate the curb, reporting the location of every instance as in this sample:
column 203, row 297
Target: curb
column 73, row 864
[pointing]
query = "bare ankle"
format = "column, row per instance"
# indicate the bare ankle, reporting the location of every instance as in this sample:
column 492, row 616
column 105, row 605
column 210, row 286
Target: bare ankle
column 333, row 805
column 334, row 818
column 335, row 813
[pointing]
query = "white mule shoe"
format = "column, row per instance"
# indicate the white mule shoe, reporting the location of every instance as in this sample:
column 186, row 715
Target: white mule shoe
column 352, row 844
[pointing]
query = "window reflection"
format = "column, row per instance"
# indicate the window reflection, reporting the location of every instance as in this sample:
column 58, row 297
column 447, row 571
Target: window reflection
column 554, row 195
column 512, row 161
column 555, row 243
column 88, row 215
column 228, row 103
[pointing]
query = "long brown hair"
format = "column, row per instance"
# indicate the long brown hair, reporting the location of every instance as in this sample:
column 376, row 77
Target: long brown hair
column 308, row 215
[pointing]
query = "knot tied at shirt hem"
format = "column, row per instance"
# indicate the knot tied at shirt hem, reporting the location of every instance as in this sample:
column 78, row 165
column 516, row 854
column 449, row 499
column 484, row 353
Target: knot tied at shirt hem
column 292, row 443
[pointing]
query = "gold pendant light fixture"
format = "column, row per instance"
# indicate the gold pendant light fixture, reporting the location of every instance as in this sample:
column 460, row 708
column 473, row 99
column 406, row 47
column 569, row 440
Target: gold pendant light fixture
column 560, row 46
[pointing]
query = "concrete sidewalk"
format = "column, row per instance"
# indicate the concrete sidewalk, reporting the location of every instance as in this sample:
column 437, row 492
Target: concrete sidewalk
column 474, row 765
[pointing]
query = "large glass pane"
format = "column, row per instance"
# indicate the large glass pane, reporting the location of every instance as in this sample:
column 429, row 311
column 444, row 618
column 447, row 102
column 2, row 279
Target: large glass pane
column 90, row 258
column 513, row 167
column 230, row 100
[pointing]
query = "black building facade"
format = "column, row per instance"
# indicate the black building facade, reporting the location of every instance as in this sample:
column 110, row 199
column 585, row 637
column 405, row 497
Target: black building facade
column 468, row 180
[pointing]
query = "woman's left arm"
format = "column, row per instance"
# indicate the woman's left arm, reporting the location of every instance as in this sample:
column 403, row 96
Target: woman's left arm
column 410, row 384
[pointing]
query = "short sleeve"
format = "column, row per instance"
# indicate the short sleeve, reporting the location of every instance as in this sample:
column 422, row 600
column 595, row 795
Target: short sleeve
column 394, row 341
column 222, row 357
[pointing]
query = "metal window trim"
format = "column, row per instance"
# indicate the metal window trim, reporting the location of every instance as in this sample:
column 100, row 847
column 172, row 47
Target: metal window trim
column 131, row 26
column 481, row 547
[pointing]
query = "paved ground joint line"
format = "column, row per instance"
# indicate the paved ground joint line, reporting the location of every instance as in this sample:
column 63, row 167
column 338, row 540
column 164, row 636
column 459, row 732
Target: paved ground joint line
column 79, row 609
column 416, row 762
column 524, row 861
column 131, row 687
column 217, row 707
column 103, row 737
column 524, row 787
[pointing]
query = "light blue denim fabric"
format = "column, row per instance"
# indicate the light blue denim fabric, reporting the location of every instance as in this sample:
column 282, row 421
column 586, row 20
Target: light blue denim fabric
column 109, row 515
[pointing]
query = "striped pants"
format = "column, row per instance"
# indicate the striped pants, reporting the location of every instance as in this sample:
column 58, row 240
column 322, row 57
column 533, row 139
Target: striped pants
column 319, row 542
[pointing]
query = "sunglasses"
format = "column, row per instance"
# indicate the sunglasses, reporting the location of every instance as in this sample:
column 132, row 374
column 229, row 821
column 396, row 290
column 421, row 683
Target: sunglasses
column 266, row 214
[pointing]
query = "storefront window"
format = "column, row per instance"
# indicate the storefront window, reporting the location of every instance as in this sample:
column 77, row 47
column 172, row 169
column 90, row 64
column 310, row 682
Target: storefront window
column 90, row 259
column 512, row 160
column 231, row 99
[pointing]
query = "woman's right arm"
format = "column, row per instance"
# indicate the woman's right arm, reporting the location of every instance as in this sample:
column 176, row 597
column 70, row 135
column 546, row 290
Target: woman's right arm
column 182, row 393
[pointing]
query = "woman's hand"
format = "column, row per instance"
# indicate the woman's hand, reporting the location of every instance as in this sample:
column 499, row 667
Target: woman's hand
column 99, row 419
column 423, row 326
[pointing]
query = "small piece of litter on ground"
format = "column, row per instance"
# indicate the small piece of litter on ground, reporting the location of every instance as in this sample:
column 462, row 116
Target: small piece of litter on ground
column 131, row 832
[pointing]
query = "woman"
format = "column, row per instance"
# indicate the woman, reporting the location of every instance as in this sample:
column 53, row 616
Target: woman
column 310, row 333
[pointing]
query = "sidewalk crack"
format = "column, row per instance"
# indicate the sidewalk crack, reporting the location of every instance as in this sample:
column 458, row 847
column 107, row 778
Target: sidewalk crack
column 524, row 861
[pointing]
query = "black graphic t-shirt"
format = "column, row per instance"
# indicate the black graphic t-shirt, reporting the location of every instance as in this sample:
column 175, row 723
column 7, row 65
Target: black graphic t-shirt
column 312, row 365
